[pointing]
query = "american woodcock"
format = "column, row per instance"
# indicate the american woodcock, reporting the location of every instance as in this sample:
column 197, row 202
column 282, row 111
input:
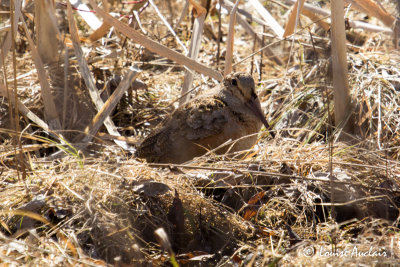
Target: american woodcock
column 228, row 111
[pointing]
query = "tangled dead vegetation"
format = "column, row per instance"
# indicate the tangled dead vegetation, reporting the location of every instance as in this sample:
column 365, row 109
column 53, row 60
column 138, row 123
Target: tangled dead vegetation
column 303, row 198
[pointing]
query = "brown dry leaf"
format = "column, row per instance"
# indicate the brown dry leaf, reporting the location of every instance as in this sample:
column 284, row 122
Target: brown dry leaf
column 256, row 198
column 249, row 213
column 252, row 209
column 100, row 32
column 237, row 259
column 293, row 18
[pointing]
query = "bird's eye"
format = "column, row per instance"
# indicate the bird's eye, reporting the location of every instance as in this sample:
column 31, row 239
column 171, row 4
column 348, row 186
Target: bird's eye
column 234, row 82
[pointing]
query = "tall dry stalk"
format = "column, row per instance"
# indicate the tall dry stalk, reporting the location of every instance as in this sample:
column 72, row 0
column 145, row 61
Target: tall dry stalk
column 230, row 39
column 341, row 89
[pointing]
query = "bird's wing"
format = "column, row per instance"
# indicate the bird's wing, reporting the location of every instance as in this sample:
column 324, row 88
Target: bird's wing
column 195, row 120
column 202, row 118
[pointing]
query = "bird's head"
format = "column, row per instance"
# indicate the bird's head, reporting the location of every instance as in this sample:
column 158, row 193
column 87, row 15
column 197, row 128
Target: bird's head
column 242, row 87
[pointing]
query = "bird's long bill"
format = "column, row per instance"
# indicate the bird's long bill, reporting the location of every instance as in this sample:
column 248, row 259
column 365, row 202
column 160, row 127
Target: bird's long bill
column 252, row 104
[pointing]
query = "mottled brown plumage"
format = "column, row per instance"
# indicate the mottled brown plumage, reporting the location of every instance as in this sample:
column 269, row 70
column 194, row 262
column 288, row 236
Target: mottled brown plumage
column 228, row 111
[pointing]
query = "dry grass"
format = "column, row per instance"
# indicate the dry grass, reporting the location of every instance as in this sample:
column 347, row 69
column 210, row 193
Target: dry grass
column 270, row 206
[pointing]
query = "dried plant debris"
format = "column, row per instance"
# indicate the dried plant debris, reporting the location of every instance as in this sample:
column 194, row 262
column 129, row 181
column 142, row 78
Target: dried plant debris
column 302, row 198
